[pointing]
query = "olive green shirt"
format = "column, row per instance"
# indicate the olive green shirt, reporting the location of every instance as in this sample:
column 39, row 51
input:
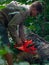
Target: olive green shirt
column 16, row 15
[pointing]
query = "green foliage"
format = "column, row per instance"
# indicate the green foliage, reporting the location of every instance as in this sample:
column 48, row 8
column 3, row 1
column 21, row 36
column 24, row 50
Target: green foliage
column 1, row 7
column 46, row 38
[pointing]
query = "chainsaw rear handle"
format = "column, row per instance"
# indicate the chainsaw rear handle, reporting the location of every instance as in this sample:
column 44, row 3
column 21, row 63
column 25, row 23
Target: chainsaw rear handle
column 30, row 45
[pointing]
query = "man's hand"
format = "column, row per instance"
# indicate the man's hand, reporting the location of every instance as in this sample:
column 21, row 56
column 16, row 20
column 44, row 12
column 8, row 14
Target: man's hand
column 19, row 43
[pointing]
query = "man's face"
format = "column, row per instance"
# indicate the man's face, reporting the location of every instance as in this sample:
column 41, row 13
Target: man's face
column 34, row 11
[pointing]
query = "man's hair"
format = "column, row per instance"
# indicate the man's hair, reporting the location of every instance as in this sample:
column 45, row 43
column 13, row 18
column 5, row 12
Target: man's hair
column 38, row 5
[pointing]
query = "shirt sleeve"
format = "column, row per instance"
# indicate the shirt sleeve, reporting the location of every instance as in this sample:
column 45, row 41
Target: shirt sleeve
column 16, row 20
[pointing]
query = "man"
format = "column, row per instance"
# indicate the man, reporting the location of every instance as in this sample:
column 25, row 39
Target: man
column 10, row 17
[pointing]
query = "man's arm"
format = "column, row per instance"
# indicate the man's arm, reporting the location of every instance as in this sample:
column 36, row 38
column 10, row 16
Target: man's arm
column 16, row 20
column 21, row 32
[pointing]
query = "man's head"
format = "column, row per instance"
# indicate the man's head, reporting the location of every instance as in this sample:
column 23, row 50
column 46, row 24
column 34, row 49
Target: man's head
column 36, row 8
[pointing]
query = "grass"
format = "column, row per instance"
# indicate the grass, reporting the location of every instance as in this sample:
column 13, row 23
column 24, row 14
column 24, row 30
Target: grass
column 1, row 7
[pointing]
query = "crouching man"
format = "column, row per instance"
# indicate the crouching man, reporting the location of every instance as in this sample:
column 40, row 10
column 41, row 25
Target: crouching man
column 10, row 17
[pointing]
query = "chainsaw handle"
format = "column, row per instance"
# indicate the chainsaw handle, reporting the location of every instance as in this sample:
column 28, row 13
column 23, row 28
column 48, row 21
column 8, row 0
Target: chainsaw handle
column 30, row 45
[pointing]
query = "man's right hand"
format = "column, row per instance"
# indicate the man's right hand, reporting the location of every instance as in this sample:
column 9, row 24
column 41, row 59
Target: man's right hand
column 18, row 44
